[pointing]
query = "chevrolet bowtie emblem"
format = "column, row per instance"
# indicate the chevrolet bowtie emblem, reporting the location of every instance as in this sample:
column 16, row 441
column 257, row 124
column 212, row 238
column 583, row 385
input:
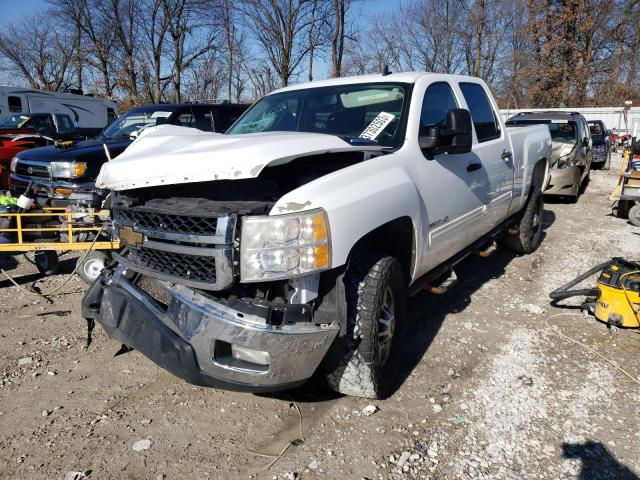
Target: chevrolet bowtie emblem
column 129, row 236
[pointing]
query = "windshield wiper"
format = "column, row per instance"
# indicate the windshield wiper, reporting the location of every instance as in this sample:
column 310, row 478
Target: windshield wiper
column 358, row 140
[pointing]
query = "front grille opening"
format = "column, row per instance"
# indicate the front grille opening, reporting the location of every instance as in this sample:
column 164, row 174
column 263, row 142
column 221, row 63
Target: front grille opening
column 151, row 288
column 178, row 265
column 166, row 222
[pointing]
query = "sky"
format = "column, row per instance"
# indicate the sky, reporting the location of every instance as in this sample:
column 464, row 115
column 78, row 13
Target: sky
column 11, row 9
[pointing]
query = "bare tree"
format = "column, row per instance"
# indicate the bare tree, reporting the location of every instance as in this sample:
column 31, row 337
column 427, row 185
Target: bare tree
column 154, row 27
column 340, row 8
column 190, row 34
column 97, row 37
column 125, row 17
column 279, row 27
column 39, row 53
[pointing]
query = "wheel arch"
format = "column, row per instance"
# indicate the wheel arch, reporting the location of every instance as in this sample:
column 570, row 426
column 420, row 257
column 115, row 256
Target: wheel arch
column 540, row 175
column 396, row 238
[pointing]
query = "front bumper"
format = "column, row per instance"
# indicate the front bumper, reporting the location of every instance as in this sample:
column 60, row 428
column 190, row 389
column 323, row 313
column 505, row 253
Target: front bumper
column 191, row 336
column 44, row 189
column 564, row 181
column 599, row 157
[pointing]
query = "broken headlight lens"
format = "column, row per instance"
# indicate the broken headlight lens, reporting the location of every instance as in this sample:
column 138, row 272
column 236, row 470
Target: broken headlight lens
column 284, row 246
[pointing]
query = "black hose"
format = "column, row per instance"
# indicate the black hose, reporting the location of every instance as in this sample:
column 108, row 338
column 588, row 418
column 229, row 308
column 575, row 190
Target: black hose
column 564, row 292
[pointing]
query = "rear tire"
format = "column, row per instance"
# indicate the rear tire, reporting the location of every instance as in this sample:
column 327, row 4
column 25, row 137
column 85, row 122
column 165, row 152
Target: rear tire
column 529, row 226
column 622, row 209
column 47, row 262
column 634, row 215
column 375, row 294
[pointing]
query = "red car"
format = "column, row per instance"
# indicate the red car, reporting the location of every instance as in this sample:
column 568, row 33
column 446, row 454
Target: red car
column 21, row 132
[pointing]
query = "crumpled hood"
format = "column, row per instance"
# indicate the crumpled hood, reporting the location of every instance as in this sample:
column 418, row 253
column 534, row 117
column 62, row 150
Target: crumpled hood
column 559, row 149
column 168, row 154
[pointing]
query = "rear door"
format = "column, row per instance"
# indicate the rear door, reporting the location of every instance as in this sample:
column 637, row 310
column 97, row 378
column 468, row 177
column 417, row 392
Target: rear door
column 493, row 149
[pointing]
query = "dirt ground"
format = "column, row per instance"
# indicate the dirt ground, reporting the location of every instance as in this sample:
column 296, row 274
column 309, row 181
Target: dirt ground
column 488, row 390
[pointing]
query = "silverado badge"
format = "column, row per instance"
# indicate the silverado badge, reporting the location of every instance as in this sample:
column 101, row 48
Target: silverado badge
column 130, row 237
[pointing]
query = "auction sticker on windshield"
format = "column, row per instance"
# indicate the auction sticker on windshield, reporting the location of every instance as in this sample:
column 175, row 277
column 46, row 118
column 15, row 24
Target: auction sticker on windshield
column 377, row 125
column 160, row 114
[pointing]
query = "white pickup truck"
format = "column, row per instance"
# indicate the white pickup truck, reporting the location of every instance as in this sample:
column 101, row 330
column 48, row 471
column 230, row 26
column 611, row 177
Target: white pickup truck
column 288, row 245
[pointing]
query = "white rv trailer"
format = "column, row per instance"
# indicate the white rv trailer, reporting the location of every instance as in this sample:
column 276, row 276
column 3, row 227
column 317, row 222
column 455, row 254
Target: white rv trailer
column 91, row 114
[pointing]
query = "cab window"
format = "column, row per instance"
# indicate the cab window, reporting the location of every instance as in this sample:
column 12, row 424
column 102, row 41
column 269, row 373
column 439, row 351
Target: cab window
column 484, row 118
column 438, row 100
column 41, row 124
column 185, row 119
column 65, row 124
column 111, row 115
column 225, row 117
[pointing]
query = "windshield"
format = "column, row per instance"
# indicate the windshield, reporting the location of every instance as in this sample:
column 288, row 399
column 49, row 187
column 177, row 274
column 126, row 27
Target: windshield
column 372, row 111
column 134, row 121
column 16, row 121
column 596, row 130
column 562, row 131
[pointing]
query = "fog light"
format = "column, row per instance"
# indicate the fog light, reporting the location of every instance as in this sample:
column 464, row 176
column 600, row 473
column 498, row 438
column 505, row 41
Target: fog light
column 63, row 192
column 249, row 355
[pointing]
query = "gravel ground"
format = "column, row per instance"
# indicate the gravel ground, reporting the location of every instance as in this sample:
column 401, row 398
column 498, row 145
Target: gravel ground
column 488, row 390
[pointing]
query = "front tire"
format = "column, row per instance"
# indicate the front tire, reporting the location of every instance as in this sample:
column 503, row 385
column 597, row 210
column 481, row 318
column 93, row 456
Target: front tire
column 376, row 295
column 529, row 226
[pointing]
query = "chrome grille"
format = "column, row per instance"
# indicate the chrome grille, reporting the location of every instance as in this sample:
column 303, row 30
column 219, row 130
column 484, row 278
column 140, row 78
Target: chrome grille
column 191, row 250
column 28, row 169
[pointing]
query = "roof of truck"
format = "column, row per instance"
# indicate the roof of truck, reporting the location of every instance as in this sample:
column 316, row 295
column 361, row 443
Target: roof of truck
column 402, row 77
column 552, row 115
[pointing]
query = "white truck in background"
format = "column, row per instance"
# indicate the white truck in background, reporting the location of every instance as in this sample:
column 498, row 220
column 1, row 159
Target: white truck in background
column 91, row 114
column 288, row 246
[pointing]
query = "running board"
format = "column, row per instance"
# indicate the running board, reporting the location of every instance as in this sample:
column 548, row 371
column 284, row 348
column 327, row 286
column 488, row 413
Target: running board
column 445, row 285
column 488, row 251
column 438, row 282
column 426, row 281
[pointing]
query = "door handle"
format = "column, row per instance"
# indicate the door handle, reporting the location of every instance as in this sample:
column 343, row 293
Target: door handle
column 506, row 155
column 472, row 167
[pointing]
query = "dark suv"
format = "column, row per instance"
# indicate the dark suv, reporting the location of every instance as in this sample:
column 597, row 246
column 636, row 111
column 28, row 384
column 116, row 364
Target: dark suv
column 572, row 149
column 63, row 175
column 601, row 144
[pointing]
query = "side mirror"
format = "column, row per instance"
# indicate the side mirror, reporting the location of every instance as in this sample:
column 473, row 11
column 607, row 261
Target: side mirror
column 454, row 138
column 585, row 142
column 133, row 135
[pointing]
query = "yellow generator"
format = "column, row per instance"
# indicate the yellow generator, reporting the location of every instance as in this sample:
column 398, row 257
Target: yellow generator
column 616, row 298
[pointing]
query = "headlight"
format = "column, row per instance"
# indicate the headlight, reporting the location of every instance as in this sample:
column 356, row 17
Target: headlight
column 284, row 246
column 12, row 166
column 67, row 169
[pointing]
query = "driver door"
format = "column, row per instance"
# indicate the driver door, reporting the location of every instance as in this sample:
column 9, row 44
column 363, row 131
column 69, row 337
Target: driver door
column 452, row 187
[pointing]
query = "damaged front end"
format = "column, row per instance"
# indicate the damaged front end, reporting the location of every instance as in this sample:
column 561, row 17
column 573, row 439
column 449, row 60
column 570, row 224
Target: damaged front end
column 176, row 294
